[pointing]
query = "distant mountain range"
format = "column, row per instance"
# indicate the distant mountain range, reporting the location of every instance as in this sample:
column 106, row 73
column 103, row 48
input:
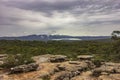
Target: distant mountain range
column 54, row 37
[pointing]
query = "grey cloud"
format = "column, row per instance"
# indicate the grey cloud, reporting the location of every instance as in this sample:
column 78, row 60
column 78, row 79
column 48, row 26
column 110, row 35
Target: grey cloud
column 36, row 16
column 90, row 5
column 43, row 6
column 103, row 23
column 8, row 20
column 75, row 7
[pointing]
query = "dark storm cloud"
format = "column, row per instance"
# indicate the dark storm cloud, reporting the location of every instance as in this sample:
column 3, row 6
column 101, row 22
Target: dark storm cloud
column 43, row 5
column 66, row 5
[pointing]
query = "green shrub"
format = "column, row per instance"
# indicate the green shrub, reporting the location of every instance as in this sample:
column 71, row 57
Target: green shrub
column 16, row 60
column 105, row 50
column 97, row 63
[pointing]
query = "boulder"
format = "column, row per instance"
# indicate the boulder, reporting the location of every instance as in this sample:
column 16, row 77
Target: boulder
column 109, row 77
column 73, row 67
column 1, row 62
column 111, row 64
column 42, row 58
column 49, row 58
column 68, row 70
column 66, row 75
column 115, row 66
column 24, row 68
column 3, row 55
column 58, row 58
column 107, row 68
column 74, row 62
column 84, row 57
column 2, row 58
column 103, row 69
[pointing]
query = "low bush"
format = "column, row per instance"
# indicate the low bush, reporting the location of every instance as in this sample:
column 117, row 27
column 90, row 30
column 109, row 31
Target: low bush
column 16, row 60
column 97, row 63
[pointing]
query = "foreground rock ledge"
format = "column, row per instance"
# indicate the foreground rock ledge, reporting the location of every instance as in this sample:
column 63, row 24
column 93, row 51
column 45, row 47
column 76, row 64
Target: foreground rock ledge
column 60, row 68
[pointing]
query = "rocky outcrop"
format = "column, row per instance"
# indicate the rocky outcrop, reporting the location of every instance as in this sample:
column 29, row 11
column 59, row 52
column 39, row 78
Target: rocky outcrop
column 49, row 58
column 42, row 58
column 68, row 70
column 24, row 68
column 70, row 67
column 107, row 68
column 66, row 75
column 84, row 57
column 109, row 77
column 58, row 67
column 58, row 58
column 2, row 58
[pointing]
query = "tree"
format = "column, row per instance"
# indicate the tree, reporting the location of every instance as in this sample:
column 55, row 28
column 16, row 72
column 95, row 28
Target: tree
column 115, row 35
column 116, row 46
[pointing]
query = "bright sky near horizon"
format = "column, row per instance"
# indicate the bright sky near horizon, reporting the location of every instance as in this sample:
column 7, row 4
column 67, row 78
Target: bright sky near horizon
column 64, row 17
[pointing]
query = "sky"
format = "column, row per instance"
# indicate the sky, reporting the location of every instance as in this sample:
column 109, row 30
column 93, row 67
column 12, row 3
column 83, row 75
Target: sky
column 61, row 17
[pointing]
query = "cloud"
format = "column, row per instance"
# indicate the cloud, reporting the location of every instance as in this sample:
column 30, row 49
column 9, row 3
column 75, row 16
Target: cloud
column 69, row 17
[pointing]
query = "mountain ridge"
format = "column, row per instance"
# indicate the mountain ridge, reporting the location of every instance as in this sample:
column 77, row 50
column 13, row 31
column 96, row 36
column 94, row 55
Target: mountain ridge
column 44, row 37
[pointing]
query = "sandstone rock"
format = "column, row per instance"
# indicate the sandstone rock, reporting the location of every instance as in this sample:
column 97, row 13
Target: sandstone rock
column 85, row 57
column 117, row 69
column 109, row 77
column 42, row 58
column 115, row 66
column 103, row 69
column 73, row 67
column 70, row 69
column 49, row 58
column 105, row 77
column 1, row 62
column 3, row 55
column 2, row 58
column 115, row 76
column 65, row 75
column 90, row 64
column 84, row 78
column 24, row 68
column 56, row 67
column 74, row 62
column 107, row 68
column 58, row 58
